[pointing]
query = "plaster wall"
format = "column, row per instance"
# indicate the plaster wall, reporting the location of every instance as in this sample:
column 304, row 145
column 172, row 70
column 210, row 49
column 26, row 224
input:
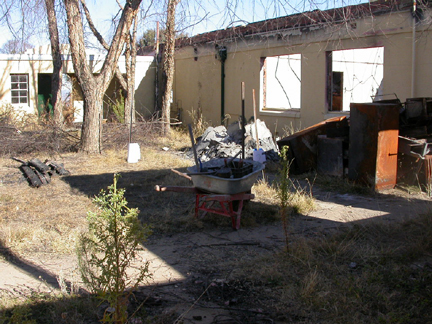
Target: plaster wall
column 34, row 64
column 23, row 64
column 198, row 72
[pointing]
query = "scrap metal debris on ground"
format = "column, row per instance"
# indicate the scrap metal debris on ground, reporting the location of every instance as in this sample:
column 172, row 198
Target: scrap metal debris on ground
column 39, row 173
column 222, row 142
column 380, row 145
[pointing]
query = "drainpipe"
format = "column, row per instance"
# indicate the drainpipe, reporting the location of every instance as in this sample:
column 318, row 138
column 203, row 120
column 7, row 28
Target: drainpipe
column 222, row 57
column 413, row 47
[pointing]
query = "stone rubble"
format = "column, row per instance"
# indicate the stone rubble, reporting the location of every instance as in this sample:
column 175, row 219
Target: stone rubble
column 222, row 142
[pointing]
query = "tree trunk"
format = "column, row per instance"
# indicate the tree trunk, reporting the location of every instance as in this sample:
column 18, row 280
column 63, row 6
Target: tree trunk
column 169, row 65
column 130, row 76
column 56, row 81
column 93, row 86
column 128, row 100
column 92, row 125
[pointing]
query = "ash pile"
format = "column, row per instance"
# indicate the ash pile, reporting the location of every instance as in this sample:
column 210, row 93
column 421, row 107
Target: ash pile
column 222, row 142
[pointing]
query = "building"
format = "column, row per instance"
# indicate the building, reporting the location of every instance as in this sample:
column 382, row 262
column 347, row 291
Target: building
column 307, row 67
column 26, row 82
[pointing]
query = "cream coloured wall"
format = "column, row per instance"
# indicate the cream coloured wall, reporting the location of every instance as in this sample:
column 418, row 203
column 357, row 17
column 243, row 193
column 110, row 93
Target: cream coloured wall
column 423, row 67
column 198, row 80
column 197, row 85
column 23, row 64
column 34, row 64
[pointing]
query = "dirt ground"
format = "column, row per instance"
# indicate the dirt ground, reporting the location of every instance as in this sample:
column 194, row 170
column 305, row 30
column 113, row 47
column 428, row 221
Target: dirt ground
column 187, row 264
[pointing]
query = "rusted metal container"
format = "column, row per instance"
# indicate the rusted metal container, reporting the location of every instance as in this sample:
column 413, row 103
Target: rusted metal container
column 331, row 156
column 303, row 144
column 373, row 144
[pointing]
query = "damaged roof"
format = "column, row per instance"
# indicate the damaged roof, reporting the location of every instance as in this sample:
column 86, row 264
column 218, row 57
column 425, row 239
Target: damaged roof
column 299, row 21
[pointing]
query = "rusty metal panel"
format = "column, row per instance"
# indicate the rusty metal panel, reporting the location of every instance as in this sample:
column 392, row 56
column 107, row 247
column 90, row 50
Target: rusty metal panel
column 303, row 145
column 330, row 156
column 374, row 130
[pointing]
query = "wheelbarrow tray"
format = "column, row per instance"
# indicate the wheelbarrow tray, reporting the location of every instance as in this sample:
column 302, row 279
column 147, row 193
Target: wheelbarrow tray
column 214, row 184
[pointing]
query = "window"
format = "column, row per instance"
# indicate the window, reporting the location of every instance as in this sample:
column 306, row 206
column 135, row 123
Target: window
column 354, row 75
column 19, row 88
column 281, row 82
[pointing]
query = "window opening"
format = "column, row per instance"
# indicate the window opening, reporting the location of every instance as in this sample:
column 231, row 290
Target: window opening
column 355, row 76
column 281, row 82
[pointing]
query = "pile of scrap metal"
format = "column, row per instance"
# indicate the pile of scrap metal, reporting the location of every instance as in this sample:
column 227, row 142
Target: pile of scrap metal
column 415, row 137
column 380, row 144
column 321, row 147
column 39, row 173
column 222, row 142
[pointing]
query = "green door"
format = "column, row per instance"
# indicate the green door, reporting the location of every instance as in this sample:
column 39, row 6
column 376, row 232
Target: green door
column 44, row 103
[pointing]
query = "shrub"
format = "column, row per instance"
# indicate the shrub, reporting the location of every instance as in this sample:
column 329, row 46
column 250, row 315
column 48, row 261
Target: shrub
column 107, row 250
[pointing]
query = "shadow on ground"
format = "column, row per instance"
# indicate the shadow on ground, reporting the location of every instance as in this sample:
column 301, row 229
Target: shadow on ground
column 194, row 251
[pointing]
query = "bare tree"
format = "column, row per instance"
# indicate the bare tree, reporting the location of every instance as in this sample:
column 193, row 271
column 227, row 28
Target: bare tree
column 94, row 87
column 29, row 24
column 126, row 82
column 168, row 65
column 130, row 57
column 56, row 79
column 15, row 46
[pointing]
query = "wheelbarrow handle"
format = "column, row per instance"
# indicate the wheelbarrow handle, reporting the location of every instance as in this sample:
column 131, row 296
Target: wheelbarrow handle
column 176, row 189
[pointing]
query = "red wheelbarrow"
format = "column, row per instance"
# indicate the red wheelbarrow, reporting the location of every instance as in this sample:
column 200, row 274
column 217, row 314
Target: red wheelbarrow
column 220, row 192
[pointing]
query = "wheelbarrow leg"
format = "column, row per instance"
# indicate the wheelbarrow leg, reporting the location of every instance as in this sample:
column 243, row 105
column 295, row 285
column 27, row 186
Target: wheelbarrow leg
column 229, row 205
column 236, row 215
column 201, row 204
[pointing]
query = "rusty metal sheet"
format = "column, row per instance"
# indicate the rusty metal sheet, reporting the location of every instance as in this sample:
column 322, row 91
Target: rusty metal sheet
column 303, row 145
column 330, row 156
column 374, row 131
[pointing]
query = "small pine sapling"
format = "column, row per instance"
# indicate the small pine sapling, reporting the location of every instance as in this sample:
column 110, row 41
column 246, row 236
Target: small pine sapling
column 107, row 250
column 283, row 193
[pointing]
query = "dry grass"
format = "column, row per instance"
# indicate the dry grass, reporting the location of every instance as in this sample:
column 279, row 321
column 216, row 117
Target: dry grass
column 372, row 274
column 341, row 185
column 57, row 211
column 365, row 274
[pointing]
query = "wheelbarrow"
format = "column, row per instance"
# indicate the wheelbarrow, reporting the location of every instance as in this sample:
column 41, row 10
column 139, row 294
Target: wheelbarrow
column 218, row 191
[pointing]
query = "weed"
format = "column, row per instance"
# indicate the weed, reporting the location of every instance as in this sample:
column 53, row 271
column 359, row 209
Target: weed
column 198, row 121
column 21, row 314
column 105, row 253
column 364, row 274
column 118, row 109
column 292, row 197
column 284, row 192
column 18, row 119
column 290, row 129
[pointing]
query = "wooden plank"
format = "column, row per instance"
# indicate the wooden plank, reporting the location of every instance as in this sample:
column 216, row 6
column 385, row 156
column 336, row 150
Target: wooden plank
column 59, row 168
column 43, row 177
column 181, row 174
column 31, row 176
column 41, row 167
column 19, row 160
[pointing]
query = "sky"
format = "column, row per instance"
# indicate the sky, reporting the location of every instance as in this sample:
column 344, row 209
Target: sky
column 197, row 16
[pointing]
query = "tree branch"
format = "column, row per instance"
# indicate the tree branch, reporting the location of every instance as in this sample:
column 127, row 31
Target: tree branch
column 99, row 37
